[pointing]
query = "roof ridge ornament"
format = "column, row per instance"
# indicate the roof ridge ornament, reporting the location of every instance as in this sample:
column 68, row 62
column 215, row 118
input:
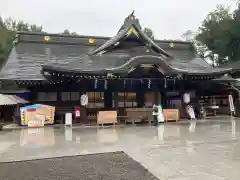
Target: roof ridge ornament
column 131, row 18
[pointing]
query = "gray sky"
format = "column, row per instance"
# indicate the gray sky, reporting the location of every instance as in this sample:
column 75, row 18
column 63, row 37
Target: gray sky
column 168, row 19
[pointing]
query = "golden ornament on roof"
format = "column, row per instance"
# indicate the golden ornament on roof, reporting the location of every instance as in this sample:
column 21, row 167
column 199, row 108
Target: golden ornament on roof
column 171, row 44
column 132, row 30
column 91, row 41
column 46, row 38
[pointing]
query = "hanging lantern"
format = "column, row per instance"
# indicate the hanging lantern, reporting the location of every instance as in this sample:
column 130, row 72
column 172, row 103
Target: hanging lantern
column 141, row 83
column 149, row 84
column 105, row 84
column 186, row 98
column 84, row 99
column 131, row 84
column 95, row 83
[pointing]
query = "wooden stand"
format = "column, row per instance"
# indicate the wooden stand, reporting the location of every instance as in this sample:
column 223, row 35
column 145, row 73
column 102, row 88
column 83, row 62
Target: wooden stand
column 107, row 117
column 171, row 115
column 136, row 115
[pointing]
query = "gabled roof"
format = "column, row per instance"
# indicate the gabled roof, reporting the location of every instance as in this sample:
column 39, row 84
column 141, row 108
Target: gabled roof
column 32, row 51
column 131, row 30
column 131, row 27
column 83, row 53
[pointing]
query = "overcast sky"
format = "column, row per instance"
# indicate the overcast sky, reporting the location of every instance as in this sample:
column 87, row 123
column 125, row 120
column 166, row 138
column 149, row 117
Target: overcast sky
column 168, row 19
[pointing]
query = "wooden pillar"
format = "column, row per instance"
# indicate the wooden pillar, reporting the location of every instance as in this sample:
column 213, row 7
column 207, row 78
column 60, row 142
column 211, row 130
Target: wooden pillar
column 163, row 99
column 140, row 98
column 156, row 96
column 237, row 104
column 108, row 99
column 33, row 96
column 59, row 99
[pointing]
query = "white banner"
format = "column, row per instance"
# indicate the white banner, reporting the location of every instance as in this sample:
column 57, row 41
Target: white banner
column 68, row 119
column 231, row 104
column 36, row 123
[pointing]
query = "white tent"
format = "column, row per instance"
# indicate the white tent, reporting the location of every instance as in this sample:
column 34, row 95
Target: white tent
column 11, row 100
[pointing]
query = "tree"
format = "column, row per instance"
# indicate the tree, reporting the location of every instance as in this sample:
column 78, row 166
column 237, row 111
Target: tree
column 35, row 28
column 148, row 32
column 188, row 35
column 66, row 31
column 8, row 29
column 15, row 26
column 201, row 49
column 74, row 34
column 218, row 35
column 5, row 41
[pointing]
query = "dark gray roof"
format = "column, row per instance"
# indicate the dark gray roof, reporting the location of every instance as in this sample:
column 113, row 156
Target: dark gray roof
column 26, row 58
column 77, row 53
column 120, row 64
column 131, row 32
column 197, row 66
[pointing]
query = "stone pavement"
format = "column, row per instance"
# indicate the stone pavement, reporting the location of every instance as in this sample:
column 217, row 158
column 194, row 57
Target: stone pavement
column 208, row 150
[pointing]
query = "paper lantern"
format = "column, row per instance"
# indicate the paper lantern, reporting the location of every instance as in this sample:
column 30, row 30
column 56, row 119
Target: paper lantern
column 186, row 98
column 84, row 99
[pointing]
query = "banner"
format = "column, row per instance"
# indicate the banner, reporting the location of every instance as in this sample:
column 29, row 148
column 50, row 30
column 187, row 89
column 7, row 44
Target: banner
column 231, row 104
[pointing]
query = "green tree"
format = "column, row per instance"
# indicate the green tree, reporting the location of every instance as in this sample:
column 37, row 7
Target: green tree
column 66, row 32
column 8, row 29
column 35, row 28
column 5, row 41
column 216, row 35
column 188, row 35
column 201, row 49
column 13, row 25
column 74, row 34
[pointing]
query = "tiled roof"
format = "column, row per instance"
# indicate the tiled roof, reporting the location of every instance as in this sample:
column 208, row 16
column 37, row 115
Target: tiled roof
column 26, row 58
column 35, row 51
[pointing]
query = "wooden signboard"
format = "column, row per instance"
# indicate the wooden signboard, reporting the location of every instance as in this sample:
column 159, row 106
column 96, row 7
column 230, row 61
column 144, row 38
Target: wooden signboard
column 33, row 115
column 171, row 114
column 107, row 117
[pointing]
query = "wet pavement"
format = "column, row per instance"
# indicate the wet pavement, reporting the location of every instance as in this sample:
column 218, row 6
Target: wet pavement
column 208, row 150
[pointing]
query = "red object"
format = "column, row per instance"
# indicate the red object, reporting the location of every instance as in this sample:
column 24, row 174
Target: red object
column 31, row 110
column 77, row 113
